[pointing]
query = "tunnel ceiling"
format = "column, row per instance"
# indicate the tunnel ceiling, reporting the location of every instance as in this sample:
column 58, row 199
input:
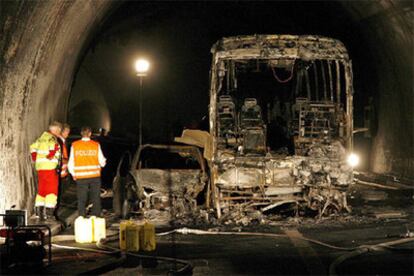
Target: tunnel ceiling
column 44, row 43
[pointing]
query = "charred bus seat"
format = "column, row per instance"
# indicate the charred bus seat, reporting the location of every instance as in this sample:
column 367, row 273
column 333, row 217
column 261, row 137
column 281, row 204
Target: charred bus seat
column 252, row 127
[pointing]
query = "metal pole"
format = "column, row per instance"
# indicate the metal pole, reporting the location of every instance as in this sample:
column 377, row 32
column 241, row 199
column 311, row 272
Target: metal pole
column 324, row 81
column 330, row 81
column 338, row 83
column 315, row 74
column 308, row 89
column 140, row 111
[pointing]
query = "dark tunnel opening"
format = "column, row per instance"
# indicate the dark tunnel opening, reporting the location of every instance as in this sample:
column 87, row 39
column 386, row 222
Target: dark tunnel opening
column 53, row 49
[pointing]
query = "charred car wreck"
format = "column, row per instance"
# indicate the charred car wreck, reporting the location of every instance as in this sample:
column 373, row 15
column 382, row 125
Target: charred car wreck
column 280, row 123
column 165, row 182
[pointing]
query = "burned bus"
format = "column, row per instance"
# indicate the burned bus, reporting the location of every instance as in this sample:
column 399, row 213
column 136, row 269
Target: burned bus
column 281, row 123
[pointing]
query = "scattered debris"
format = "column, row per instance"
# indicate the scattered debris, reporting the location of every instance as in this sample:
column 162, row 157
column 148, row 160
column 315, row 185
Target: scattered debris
column 389, row 214
column 374, row 195
column 375, row 185
column 385, row 181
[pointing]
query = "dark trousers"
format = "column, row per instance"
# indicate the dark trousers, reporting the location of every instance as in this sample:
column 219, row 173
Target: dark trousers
column 90, row 187
column 63, row 185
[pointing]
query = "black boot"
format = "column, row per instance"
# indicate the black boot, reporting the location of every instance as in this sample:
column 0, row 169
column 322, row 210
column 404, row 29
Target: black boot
column 50, row 214
column 40, row 213
column 37, row 211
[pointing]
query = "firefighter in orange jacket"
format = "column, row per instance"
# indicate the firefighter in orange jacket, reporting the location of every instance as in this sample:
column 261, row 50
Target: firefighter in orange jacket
column 46, row 153
column 85, row 162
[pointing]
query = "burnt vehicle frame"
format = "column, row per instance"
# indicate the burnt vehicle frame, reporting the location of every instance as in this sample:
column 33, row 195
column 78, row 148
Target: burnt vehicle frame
column 244, row 172
column 170, row 190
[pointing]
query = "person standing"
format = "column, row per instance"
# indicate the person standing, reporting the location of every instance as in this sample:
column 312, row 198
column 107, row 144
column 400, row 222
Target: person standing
column 46, row 153
column 85, row 162
column 63, row 164
column 65, row 156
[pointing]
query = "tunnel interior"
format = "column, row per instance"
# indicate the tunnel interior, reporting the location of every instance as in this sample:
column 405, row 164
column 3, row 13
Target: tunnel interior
column 60, row 56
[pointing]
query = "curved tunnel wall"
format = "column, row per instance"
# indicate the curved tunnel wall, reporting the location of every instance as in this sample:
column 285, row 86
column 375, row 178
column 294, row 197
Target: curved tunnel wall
column 43, row 41
column 41, row 47
column 387, row 27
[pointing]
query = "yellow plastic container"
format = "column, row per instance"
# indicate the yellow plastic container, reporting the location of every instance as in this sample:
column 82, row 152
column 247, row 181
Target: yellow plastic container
column 132, row 237
column 129, row 235
column 88, row 230
column 122, row 234
column 83, row 230
column 147, row 237
column 98, row 228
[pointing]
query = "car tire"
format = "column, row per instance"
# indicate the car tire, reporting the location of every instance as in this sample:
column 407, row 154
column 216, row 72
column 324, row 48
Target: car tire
column 118, row 197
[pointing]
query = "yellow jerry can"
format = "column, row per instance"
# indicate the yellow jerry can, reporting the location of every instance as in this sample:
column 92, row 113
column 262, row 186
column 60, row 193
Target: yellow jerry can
column 83, row 230
column 98, row 228
column 147, row 237
column 122, row 234
column 132, row 236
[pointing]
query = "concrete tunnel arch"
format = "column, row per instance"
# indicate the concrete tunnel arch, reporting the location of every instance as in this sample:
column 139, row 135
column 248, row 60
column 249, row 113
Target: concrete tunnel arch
column 43, row 42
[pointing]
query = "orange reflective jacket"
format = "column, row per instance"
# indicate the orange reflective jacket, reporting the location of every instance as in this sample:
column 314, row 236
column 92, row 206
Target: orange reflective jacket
column 65, row 158
column 86, row 161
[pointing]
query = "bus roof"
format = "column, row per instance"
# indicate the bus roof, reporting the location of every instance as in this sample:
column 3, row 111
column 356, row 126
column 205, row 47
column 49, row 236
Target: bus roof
column 306, row 47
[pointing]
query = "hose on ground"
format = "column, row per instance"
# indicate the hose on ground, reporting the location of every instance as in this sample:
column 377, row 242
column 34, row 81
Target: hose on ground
column 376, row 185
column 354, row 251
column 364, row 249
column 81, row 248
column 61, row 238
column 186, row 231
column 396, row 186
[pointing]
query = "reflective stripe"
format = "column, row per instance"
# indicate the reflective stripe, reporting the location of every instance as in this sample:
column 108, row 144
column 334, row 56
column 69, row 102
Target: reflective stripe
column 86, row 173
column 50, row 201
column 42, row 151
column 46, row 160
column 40, row 201
column 87, row 167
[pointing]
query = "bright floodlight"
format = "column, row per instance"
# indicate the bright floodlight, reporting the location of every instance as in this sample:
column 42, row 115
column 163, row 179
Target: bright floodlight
column 142, row 66
column 353, row 160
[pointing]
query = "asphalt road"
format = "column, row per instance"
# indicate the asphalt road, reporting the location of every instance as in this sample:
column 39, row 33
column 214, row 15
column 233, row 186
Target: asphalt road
column 289, row 254
column 256, row 255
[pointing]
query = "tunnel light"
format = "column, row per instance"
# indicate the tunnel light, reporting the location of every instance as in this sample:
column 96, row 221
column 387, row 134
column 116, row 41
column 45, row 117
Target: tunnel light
column 353, row 160
column 142, row 67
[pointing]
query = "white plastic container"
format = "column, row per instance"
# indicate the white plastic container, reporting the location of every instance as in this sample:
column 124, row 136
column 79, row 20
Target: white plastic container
column 88, row 230
column 83, row 230
column 98, row 228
